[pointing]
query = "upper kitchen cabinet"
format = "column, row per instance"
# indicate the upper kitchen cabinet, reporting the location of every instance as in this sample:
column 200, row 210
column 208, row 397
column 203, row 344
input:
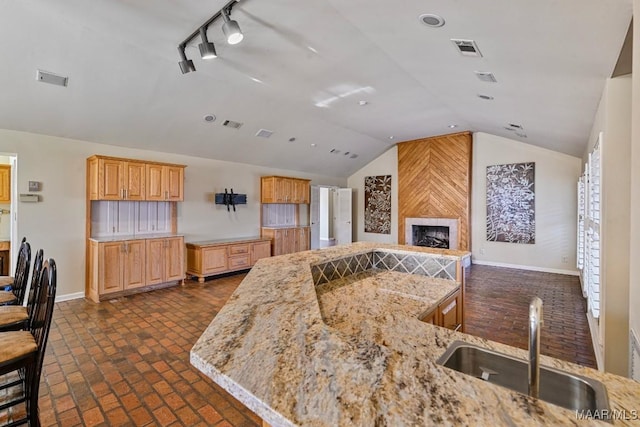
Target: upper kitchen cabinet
column 5, row 183
column 111, row 178
column 279, row 189
column 165, row 182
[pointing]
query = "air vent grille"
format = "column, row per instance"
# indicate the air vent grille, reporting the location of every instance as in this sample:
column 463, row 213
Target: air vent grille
column 467, row 47
column 486, row 76
column 231, row 124
column 264, row 133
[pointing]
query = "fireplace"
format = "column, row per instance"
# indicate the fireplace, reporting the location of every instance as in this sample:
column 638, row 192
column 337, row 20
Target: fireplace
column 432, row 232
column 431, row 236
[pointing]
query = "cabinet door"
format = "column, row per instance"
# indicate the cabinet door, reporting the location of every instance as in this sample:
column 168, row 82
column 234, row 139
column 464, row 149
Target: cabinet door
column 154, row 188
column 134, row 181
column 174, row 259
column 278, row 242
column 283, row 190
column 431, row 317
column 290, row 243
column 304, row 190
column 173, row 183
column 214, row 259
column 303, row 239
column 260, row 250
column 450, row 312
column 134, row 266
column 110, row 179
column 5, row 183
column 110, row 267
column 155, row 261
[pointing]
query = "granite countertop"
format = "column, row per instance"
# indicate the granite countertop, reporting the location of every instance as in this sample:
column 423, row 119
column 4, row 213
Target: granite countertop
column 214, row 242
column 122, row 238
column 297, row 356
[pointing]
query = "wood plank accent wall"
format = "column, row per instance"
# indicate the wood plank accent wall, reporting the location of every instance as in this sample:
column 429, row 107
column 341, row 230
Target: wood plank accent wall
column 434, row 180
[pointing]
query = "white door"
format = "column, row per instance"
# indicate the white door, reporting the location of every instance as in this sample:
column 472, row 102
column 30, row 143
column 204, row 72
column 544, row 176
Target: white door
column 342, row 215
column 315, row 217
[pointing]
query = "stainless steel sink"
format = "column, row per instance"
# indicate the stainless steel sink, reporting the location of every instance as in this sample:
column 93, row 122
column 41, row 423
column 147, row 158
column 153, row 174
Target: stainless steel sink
column 570, row 391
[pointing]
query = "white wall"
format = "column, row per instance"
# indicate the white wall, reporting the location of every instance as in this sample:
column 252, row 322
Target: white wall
column 556, row 175
column 634, row 248
column 613, row 119
column 57, row 224
column 385, row 164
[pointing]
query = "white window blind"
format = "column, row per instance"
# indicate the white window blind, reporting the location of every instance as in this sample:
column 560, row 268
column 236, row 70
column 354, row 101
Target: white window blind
column 588, row 250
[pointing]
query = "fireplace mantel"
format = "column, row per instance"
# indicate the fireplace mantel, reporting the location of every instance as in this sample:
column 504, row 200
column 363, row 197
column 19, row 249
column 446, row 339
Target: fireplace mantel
column 452, row 223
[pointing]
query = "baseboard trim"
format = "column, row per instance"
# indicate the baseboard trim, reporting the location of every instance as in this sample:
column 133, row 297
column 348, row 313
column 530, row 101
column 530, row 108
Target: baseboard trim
column 526, row 267
column 68, row 297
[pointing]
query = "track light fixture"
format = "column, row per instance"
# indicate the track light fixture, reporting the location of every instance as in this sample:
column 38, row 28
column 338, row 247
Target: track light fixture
column 230, row 28
column 207, row 49
column 186, row 65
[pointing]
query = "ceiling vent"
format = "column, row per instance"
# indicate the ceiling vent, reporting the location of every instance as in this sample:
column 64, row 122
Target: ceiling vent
column 486, row 76
column 334, row 151
column 263, row 133
column 467, row 47
column 353, row 156
column 54, row 79
column 231, row 124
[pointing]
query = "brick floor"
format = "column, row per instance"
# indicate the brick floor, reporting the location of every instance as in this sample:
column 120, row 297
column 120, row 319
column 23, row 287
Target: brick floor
column 497, row 308
column 126, row 361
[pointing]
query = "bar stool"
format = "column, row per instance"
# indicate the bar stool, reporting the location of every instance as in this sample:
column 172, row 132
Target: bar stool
column 23, row 351
column 8, row 280
column 18, row 287
column 15, row 317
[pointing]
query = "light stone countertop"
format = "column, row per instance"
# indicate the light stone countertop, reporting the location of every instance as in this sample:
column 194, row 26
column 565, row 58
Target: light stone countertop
column 272, row 349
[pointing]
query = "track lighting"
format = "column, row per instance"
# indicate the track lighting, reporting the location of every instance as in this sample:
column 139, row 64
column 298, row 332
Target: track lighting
column 231, row 31
column 207, row 49
column 186, row 65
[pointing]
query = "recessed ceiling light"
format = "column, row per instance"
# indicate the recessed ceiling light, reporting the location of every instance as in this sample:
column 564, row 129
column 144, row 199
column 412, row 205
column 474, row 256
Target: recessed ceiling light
column 313, row 145
column 312, row 49
column 256, row 80
column 391, row 137
column 487, row 97
column 453, row 126
column 210, row 118
column 362, row 103
column 486, row 76
column 431, row 20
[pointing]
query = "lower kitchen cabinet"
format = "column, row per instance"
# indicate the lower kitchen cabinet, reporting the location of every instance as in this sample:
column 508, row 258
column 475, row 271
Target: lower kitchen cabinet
column 286, row 240
column 449, row 313
column 213, row 257
column 120, row 267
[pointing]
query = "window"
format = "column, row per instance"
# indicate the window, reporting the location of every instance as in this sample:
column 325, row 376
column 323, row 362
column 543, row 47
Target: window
column 588, row 249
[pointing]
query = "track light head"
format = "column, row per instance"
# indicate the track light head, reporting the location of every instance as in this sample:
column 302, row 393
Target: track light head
column 231, row 29
column 207, row 49
column 186, row 65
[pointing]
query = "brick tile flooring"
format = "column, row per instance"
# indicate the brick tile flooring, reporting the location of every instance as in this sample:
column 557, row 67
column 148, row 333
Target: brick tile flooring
column 497, row 308
column 125, row 362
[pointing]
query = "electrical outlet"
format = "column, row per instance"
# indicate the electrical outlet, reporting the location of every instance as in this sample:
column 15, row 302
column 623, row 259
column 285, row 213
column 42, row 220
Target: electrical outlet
column 565, row 259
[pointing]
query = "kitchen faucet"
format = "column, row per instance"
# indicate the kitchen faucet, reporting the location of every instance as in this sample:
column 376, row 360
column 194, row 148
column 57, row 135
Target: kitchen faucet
column 535, row 322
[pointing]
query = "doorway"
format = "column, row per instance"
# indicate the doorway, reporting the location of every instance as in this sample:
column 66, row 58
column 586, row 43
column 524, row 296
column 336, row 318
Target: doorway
column 331, row 216
column 8, row 208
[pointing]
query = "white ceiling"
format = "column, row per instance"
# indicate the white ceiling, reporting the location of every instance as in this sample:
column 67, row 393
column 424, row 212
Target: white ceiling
column 314, row 61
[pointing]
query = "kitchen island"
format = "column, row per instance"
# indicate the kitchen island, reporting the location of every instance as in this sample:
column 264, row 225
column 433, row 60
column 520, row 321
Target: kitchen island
column 299, row 344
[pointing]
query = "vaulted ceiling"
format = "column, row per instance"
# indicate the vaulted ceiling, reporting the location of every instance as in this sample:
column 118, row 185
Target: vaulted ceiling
column 303, row 70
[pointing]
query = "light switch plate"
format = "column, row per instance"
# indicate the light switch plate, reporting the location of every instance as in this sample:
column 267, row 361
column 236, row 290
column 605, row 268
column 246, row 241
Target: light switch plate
column 34, row 186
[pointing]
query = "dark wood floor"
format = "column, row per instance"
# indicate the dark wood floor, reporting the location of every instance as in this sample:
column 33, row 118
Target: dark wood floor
column 126, row 361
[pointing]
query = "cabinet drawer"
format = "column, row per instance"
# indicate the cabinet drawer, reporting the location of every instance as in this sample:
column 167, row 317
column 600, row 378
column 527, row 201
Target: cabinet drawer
column 238, row 249
column 240, row 261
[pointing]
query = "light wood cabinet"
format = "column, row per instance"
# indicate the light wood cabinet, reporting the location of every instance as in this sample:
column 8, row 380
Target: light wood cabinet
column 287, row 240
column 303, row 240
column 5, row 183
column 449, row 313
column 165, row 260
column 164, row 183
column 119, row 265
column 215, row 257
column 110, row 178
column 280, row 189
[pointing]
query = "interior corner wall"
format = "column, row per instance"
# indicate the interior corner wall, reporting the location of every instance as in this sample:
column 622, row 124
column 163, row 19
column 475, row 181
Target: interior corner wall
column 57, row 223
column 385, row 164
column 556, row 177
column 634, row 232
